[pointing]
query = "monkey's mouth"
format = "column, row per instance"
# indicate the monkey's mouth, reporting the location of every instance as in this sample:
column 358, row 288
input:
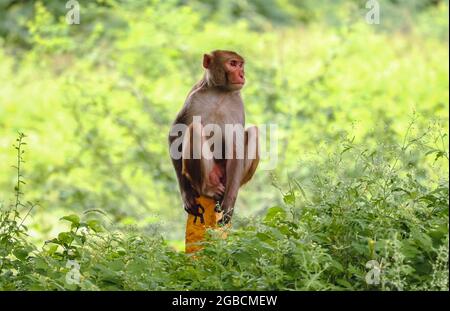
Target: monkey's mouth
column 237, row 86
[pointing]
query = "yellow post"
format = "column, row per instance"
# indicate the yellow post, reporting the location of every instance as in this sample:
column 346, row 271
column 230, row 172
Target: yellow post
column 195, row 229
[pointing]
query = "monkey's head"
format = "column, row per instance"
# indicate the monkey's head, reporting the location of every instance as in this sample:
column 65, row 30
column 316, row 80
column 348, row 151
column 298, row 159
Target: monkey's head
column 224, row 69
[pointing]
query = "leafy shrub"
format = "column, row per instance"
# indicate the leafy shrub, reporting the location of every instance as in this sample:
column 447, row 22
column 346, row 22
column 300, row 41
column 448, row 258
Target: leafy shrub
column 318, row 240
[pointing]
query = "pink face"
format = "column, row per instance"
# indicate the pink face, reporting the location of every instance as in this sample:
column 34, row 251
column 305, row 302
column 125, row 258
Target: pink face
column 235, row 71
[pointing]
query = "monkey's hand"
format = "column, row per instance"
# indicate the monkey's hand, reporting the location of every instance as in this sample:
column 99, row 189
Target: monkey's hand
column 214, row 182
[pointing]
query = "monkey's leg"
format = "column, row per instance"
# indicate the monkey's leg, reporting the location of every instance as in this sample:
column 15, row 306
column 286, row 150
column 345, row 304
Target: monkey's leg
column 191, row 161
column 201, row 169
column 188, row 194
column 234, row 169
column 251, row 159
column 240, row 171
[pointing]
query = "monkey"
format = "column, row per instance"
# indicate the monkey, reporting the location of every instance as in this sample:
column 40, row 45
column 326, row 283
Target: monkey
column 220, row 170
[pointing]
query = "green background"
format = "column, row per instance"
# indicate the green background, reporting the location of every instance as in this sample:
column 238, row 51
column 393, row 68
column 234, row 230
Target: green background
column 361, row 109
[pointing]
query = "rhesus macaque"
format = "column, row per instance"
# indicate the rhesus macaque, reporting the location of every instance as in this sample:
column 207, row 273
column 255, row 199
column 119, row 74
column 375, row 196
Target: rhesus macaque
column 220, row 170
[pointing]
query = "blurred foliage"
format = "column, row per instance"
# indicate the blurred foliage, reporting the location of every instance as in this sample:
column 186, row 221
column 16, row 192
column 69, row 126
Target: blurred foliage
column 362, row 115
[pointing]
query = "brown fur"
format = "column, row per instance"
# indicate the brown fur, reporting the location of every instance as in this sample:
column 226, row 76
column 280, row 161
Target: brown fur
column 217, row 99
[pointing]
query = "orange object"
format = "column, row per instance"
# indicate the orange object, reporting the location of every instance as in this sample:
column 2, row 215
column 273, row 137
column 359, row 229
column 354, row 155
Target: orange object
column 195, row 229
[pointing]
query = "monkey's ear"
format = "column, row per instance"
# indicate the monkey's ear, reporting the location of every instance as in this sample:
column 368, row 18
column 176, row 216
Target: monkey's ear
column 206, row 60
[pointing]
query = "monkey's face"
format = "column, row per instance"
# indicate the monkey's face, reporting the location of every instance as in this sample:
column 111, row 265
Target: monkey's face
column 234, row 69
column 224, row 69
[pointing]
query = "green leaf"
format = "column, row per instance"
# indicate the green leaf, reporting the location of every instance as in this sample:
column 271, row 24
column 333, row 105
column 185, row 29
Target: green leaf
column 95, row 225
column 344, row 283
column 74, row 219
column 65, row 237
column 121, row 251
column 335, row 264
column 422, row 240
column 263, row 236
column 275, row 213
column 244, row 257
column 52, row 249
column 21, row 253
column 40, row 263
column 289, row 198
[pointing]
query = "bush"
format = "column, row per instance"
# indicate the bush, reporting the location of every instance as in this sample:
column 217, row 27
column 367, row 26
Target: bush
column 333, row 238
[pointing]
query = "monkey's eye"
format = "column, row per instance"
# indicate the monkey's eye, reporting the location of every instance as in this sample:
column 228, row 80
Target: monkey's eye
column 233, row 63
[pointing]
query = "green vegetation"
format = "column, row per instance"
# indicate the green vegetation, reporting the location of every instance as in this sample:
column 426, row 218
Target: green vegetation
column 362, row 171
